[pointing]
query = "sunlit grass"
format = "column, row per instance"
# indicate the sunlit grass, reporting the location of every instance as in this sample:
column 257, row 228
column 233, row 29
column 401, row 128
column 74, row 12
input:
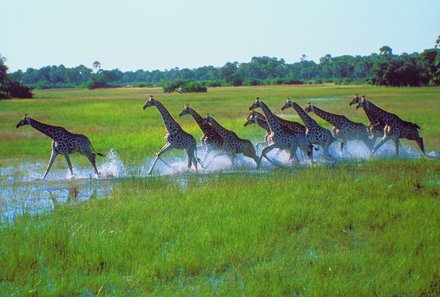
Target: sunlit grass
column 307, row 232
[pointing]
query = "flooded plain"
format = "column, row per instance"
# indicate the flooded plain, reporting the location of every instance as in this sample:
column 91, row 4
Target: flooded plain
column 22, row 191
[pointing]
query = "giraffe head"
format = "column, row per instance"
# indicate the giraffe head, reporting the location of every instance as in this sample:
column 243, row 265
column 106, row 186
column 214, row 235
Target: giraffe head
column 150, row 102
column 355, row 99
column 186, row 110
column 309, row 108
column 255, row 114
column 251, row 119
column 288, row 104
column 23, row 121
column 256, row 104
column 207, row 119
column 362, row 103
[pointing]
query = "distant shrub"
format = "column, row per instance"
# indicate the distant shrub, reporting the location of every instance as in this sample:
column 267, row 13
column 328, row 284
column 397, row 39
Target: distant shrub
column 215, row 83
column 253, row 82
column 184, row 87
column 193, row 87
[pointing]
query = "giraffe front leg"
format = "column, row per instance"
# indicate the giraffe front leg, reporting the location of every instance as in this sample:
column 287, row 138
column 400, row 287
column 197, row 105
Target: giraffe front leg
column 396, row 146
column 385, row 138
column 165, row 148
column 66, row 156
column 53, row 155
column 266, row 150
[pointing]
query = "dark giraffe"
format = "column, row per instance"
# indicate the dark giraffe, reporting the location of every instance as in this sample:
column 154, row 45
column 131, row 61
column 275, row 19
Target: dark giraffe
column 176, row 137
column 210, row 139
column 64, row 142
column 232, row 144
column 282, row 137
column 375, row 124
column 343, row 129
column 316, row 134
column 395, row 128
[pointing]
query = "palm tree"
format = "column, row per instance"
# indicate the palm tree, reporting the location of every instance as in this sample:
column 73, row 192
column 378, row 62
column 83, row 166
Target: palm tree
column 96, row 66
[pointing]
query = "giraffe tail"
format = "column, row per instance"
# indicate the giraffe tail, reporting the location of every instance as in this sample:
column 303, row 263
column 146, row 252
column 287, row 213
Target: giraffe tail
column 99, row 154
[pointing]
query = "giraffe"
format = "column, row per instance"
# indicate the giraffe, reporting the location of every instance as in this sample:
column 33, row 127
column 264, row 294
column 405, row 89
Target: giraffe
column 176, row 137
column 316, row 133
column 254, row 117
column 281, row 136
column 210, row 139
column 232, row 144
column 395, row 128
column 375, row 124
column 343, row 128
column 63, row 142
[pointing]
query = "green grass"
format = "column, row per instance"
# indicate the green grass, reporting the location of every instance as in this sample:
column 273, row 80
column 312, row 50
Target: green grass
column 355, row 228
column 304, row 232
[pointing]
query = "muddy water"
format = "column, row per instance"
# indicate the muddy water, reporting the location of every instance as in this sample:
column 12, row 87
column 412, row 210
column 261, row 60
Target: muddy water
column 23, row 192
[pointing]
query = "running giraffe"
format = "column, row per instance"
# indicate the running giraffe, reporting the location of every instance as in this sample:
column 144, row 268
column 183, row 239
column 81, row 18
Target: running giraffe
column 375, row 125
column 64, row 142
column 210, row 139
column 282, row 137
column 254, row 117
column 175, row 138
column 232, row 144
column 395, row 128
column 316, row 133
column 343, row 128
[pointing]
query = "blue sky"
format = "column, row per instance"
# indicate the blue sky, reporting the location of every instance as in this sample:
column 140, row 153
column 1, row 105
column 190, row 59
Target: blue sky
column 163, row 34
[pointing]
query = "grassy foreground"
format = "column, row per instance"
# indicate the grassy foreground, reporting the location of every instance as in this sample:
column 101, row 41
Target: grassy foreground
column 355, row 229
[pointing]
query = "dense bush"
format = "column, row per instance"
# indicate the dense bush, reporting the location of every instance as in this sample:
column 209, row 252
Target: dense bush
column 10, row 88
column 193, row 87
column 184, row 87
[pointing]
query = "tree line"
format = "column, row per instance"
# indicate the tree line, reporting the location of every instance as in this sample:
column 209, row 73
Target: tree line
column 383, row 68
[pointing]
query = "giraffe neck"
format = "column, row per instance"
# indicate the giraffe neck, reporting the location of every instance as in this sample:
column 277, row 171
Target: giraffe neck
column 48, row 130
column 198, row 118
column 308, row 121
column 374, row 113
column 273, row 123
column 263, row 124
column 169, row 121
column 332, row 118
column 222, row 131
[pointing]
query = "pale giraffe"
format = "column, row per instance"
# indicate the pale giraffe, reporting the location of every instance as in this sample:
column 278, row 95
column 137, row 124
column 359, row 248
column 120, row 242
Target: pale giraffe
column 395, row 128
column 64, row 142
column 254, row 117
column 210, row 139
column 316, row 134
column 343, row 129
column 232, row 144
column 282, row 137
column 375, row 124
column 175, row 138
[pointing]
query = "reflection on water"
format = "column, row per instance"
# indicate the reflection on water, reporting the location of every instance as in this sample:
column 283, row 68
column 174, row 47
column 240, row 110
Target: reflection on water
column 18, row 198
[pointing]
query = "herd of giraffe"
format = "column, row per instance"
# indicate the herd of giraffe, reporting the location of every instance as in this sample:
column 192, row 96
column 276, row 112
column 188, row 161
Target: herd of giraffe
column 280, row 133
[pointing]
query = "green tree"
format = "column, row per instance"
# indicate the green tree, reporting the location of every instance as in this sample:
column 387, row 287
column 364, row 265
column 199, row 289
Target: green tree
column 386, row 50
column 10, row 88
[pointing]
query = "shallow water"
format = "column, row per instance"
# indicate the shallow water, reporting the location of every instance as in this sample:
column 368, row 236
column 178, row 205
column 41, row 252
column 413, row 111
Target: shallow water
column 23, row 192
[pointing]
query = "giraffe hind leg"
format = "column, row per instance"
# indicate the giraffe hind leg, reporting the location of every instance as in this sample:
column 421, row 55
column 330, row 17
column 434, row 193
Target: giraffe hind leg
column 92, row 159
column 66, row 156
